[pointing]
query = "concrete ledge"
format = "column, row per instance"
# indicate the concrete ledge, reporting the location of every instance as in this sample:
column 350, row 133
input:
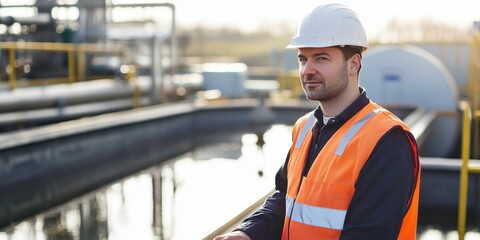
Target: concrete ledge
column 45, row 166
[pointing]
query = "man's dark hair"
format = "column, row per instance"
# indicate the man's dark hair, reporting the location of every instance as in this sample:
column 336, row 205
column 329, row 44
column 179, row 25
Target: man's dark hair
column 349, row 51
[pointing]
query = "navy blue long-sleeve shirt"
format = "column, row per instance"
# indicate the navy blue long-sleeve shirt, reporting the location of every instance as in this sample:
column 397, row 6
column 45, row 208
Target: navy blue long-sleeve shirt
column 384, row 187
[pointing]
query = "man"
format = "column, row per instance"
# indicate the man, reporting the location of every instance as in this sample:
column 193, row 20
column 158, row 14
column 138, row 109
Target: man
column 353, row 169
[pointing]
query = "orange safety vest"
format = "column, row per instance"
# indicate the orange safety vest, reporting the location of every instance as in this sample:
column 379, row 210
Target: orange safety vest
column 316, row 205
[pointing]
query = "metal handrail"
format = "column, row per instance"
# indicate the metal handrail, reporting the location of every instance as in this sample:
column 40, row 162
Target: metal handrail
column 239, row 217
column 72, row 50
column 474, row 68
column 469, row 115
column 288, row 83
column 464, row 170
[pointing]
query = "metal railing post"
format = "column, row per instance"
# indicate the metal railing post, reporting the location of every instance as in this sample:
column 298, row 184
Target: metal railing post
column 71, row 66
column 75, row 59
column 81, row 64
column 12, row 82
column 470, row 114
column 474, row 79
column 463, row 192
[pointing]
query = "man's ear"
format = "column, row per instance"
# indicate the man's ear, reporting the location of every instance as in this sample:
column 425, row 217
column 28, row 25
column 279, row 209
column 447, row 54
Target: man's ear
column 355, row 64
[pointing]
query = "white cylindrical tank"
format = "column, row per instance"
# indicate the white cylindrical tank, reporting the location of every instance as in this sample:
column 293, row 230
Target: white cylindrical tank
column 409, row 76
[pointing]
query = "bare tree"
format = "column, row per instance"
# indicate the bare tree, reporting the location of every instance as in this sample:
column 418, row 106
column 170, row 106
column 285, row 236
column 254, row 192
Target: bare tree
column 425, row 30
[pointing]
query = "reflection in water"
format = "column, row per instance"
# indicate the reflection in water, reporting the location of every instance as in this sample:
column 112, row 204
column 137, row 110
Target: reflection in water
column 184, row 198
column 54, row 229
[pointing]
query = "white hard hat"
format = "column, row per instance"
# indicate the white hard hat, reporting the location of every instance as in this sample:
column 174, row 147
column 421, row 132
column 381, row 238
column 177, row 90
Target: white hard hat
column 330, row 25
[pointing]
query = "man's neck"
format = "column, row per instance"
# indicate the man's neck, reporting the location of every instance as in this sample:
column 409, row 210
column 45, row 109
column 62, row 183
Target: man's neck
column 337, row 105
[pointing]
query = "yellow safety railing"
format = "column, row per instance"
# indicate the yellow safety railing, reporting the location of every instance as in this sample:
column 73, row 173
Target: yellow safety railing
column 469, row 116
column 75, row 55
column 465, row 169
column 289, row 85
column 239, row 217
column 474, row 69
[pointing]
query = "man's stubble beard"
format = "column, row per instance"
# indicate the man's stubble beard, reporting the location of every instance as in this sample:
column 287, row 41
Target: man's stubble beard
column 331, row 88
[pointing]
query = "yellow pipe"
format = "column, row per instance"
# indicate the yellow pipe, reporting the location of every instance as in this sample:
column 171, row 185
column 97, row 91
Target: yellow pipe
column 71, row 66
column 475, row 170
column 462, row 199
column 88, row 47
column 81, row 64
column 13, row 77
column 136, row 94
column 41, row 46
column 50, row 46
column 48, row 81
column 44, row 82
column 281, row 82
column 474, row 78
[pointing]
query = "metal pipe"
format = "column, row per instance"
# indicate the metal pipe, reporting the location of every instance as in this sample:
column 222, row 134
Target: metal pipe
column 39, row 19
column 463, row 193
column 173, row 48
column 173, row 38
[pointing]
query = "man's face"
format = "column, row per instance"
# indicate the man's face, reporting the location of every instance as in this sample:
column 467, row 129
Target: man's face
column 323, row 73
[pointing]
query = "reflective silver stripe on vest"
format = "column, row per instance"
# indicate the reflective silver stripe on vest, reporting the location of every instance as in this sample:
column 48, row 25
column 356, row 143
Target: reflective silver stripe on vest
column 351, row 132
column 303, row 132
column 289, row 204
column 315, row 216
column 345, row 139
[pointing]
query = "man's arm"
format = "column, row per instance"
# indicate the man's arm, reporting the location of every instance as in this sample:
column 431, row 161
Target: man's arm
column 383, row 189
column 267, row 222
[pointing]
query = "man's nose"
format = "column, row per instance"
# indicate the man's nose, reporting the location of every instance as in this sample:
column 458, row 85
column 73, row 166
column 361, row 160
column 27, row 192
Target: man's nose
column 308, row 69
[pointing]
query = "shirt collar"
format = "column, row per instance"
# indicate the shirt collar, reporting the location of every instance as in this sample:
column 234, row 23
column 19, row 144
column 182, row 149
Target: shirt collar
column 351, row 110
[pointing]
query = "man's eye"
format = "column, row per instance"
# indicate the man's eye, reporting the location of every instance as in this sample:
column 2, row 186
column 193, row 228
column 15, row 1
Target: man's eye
column 302, row 60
